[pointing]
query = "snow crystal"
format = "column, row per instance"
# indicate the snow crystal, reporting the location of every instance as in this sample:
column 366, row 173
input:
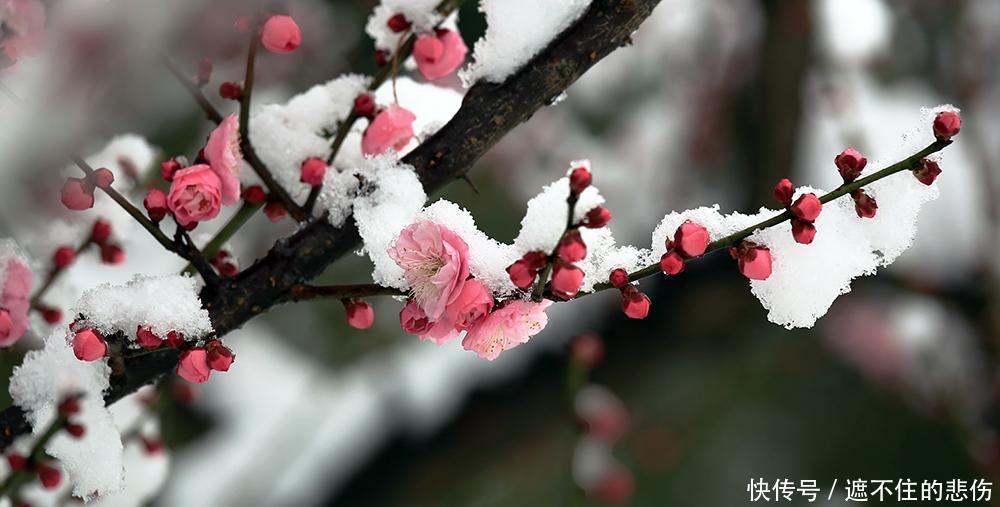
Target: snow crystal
column 44, row 379
column 516, row 31
column 422, row 14
column 164, row 303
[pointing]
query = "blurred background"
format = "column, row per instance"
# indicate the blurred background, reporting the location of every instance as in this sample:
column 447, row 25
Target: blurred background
column 715, row 101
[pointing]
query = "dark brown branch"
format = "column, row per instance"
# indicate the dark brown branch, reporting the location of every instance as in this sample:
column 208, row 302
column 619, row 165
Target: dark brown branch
column 488, row 113
column 306, row 292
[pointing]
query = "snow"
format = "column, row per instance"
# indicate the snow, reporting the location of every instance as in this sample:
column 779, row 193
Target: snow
column 164, row 303
column 421, row 13
column 9, row 250
column 516, row 31
column 854, row 31
column 93, row 462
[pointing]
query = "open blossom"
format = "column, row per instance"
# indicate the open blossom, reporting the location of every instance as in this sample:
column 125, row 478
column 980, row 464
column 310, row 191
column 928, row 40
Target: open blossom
column 439, row 54
column 473, row 303
column 435, row 264
column 413, row 320
column 24, row 28
column 195, row 195
column 391, row 128
column 225, row 158
column 14, row 301
column 507, row 327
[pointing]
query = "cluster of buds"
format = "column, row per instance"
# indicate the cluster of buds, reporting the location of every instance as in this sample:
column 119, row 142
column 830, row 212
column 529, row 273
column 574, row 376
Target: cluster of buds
column 360, row 314
column 850, row 163
column 68, row 409
column 196, row 364
column 225, row 263
column 690, row 241
column 805, row 210
column 754, row 260
column 78, row 193
column 635, row 304
column 48, row 475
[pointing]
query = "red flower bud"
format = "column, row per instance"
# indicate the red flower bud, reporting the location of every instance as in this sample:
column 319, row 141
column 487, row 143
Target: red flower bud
column 783, row 192
column 101, row 231
column 76, row 430
column 946, row 125
column 536, row 260
column 77, row 194
column 89, row 345
column 571, row 247
column 521, row 274
column 381, row 58
column 864, row 205
column 579, row 180
column 204, row 71
column 153, row 445
column 52, row 315
column 618, row 278
column 112, row 255
column 313, row 171
column 671, row 263
column 275, row 211
column 280, row 34
column 691, row 239
column 803, row 231
column 566, row 280
column 103, row 177
column 598, row 217
column 17, row 462
column 6, row 323
column 254, row 194
column 147, row 339
column 69, row 406
column 156, row 205
column 168, row 168
column 220, row 357
column 850, row 163
column 193, row 366
column 807, row 207
column 49, row 475
column 64, row 256
column 398, row 23
column 174, row 339
column 927, row 171
column 364, row 105
column 635, row 304
column 231, row 91
column 754, row 261
column 359, row 314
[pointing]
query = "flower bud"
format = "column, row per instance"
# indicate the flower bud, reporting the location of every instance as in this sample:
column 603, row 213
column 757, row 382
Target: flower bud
column 254, row 194
column 89, row 345
column 17, row 462
column 807, row 207
column 927, row 171
column 571, row 247
column 174, row 340
column 103, row 177
column 193, row 366
column 635, row 304
column 566, row 280
column 864, row 205
column 783, row 192
column 850, row 163
column 101, row 231
column 803, row 231
column 579, row 180
column 364, row 105
column 156, row 205
column 946, row 125
column 153, row 445
column 598, row 217
column 691, row 239
column 168, row 168
column 220, row 357
column 281, row 34
column 754, row 261
column 398, row 23
column 76, row 430
column 618, row 278
column 521, row 274
column 147, row 339
column 112, row 255
column 671, row 263
column 275, row 211
column 63, row 257
column 48, row 475
column 231, row 91
column 313, row 171
column 381, row 58
column 77, row 194
column 359, row 314
column 69, row 406
column 52, row 315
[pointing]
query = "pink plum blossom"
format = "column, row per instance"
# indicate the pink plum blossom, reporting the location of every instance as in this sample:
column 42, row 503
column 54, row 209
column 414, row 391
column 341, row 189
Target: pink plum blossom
column 414, row 321
column 507, row 327
column 14, row 300
column 195, row 195
column 223, row 153
column 391, row 128
column 435, row 264
column 472, row 304
column 439, row 54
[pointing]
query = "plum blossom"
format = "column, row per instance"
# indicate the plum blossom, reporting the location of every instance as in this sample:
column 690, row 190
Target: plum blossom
column 435, row 265
column 414, row 321
column 439, row 54
column 473, row 303
column 391, row 128
column 15, row 301
column 225, row 157
column 195, row 194
column 507, row 327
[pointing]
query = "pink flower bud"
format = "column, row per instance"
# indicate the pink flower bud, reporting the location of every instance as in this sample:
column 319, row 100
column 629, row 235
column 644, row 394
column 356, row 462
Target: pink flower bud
column 204, row 71
column 48, row 475
column 587, row 349
column 850, row 163
column 103, row 177
column 439, row 54
column 195, row 195
column 76, row 430
column 52, row 316
column 168, row 168
column 398, row 23
column 77, row 194
column 521, row 274
column 474, row 302
column 598, row 217
column 174, row 340
column 193, row 366
column 313, row 171
column 536, row 261
column 864, row 205
column 360, row 314
column 220, row 357
column 64, row 256
column 391, row 128
column 147, row 339
column 281, row 34
column 927, row 171
column 566, row 280
column 156, row 205
column 807, row 207
column 691, row 239
column 579, row 180
column 754, row 261
column 89, row 345
column 635, row 304
column 783, row 192
column 803, row 231
column 946, row 125
column 17, row 462
column 231, row 91
column 112, row 255
column 364, row 105
column 618, row 278
column 6, row 324
column 254, row 194
column 671, row 263
column 101, row 231
column 571, row 247
column 69, row 406
column 275, row 211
